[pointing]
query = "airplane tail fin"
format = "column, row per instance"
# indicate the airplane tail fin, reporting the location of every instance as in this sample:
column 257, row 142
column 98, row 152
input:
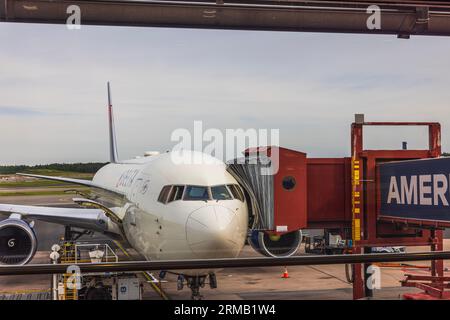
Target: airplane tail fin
column 113, row 155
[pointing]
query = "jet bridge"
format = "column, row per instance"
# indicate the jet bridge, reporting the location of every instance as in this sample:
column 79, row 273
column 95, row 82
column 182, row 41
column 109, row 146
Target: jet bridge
column 274, row 180
column 375, row 198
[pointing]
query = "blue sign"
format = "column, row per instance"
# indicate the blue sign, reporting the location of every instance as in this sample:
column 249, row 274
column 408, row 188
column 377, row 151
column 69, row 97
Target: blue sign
column 416, row 189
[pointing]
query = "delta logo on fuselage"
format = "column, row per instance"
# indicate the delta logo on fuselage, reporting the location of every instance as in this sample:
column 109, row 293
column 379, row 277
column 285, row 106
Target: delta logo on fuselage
column 418, row 189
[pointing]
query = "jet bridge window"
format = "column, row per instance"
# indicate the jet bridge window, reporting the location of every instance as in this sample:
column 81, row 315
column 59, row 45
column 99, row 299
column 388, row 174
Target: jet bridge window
column 196, row 193
column 220, row 193
column 236, row 192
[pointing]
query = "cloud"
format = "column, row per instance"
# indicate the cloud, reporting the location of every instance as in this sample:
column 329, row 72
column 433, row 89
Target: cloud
column 18, row 111
column 307, row 85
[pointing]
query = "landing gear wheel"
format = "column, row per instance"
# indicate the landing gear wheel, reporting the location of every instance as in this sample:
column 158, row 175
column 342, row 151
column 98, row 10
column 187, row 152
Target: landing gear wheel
column 212, row 280
column 180, row 282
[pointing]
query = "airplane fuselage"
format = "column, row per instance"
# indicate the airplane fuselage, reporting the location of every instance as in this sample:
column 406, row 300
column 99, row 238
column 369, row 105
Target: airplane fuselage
column 161, row 224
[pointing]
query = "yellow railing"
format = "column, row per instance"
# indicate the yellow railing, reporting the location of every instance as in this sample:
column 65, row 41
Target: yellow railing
column 70, row 289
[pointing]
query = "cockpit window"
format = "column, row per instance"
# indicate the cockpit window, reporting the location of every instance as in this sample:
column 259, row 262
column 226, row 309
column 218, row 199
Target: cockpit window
column 196, row 193
column 236, row 192
column 164, row 194
column 176, row 193
column 220, row 193
column 172, row 193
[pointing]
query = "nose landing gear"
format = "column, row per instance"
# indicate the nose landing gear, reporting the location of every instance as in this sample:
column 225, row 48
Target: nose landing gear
column 180, row 282
column 195, row 283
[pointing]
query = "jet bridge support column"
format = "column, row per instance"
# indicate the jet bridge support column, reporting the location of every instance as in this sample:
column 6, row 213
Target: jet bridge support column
column 357, row 206
column 369, row 228
column 437, row 266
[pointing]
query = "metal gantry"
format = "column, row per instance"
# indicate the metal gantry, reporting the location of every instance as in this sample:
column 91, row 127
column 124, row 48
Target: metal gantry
column 400, row 17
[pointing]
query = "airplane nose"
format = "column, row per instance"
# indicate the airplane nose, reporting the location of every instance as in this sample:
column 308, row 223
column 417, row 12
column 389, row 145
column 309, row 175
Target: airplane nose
column 214, row 232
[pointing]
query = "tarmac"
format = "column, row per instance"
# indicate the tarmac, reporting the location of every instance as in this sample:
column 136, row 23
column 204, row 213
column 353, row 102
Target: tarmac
column 325, row 282
column 304, row 282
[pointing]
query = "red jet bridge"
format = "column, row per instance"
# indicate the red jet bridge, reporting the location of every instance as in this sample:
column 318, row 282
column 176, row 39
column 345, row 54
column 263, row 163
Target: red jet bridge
column 344, row 195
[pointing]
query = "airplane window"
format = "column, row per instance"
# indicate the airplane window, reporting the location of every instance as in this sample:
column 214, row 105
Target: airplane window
column 236, row 192
column 220, row 193
column 196, row 193
column 288, row 183
column 176, row 193
column 179, row 194
column 164, row 194
column 241, row 193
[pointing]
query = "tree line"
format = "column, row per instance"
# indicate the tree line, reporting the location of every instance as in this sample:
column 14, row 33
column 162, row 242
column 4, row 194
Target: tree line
column 90, row 167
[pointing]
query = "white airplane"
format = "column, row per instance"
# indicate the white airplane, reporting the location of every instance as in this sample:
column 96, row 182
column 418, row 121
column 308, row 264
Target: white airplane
column 164, row 210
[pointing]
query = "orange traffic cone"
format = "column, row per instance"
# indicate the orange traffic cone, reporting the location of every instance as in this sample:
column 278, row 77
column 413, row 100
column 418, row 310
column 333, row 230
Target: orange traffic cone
column 285, row 273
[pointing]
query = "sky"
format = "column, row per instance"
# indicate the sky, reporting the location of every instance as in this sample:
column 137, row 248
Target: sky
column 308, row 85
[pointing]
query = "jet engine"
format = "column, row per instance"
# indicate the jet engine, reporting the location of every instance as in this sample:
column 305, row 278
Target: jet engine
column 284, row 245
column 18, row 242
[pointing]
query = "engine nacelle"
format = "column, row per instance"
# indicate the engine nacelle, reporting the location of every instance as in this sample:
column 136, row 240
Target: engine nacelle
column 18, row 242
column 275, row 246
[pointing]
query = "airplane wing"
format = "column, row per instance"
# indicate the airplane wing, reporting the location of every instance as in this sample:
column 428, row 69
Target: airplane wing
column 92, row 219
column 87, row 183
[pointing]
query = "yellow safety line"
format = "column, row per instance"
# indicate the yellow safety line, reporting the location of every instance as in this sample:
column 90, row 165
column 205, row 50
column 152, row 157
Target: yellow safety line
column 119, row 245
column 152, row 284
column 156, row 287
column 25, row 291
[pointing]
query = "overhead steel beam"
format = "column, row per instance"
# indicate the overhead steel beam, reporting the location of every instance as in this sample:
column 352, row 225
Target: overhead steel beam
column 225, row 263
column 399, row 17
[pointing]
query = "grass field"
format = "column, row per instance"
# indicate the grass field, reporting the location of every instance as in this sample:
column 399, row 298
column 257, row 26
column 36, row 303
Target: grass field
column 29, row 186
column 68, row 174
column 37, row 193
column 32, row 184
